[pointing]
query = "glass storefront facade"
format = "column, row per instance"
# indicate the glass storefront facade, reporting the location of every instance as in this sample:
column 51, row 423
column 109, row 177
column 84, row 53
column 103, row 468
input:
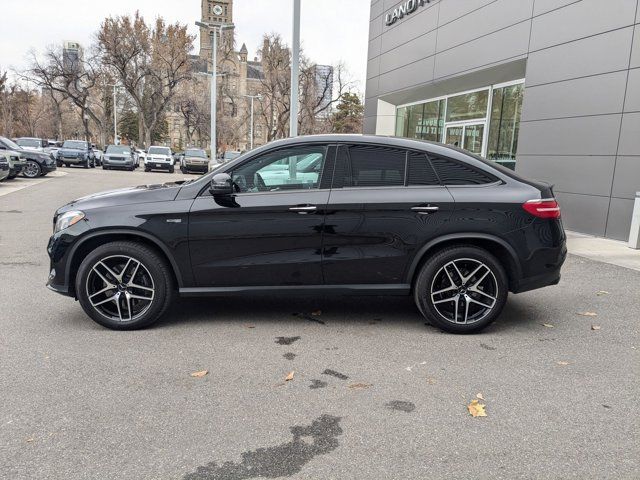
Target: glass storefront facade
column 484, row 121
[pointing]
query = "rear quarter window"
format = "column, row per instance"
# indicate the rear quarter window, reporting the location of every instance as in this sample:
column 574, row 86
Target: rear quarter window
column 453, row 172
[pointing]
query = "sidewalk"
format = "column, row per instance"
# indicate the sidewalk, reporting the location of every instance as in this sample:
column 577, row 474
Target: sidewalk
column 603, row 250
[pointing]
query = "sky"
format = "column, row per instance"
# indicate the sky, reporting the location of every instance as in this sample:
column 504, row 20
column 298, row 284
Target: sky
column 331, row 30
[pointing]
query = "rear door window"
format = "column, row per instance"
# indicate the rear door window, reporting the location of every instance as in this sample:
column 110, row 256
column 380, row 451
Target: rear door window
column 374, row 166
column 420, row 170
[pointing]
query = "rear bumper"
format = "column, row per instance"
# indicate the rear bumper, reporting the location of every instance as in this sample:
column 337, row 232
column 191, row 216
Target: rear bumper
column 550, row 261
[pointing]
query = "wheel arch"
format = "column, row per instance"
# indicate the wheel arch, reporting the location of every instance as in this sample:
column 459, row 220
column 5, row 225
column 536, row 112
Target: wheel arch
column 93, row 240
column 494, row 245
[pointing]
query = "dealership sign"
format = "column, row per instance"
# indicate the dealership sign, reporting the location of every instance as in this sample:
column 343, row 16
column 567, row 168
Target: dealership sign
column 407, row 8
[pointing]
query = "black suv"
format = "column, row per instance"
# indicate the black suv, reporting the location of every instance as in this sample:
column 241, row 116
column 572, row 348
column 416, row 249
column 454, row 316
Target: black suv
column 328, row 214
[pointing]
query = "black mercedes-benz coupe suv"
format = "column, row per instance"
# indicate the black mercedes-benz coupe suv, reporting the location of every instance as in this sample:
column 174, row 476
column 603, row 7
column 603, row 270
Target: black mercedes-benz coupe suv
column 335, row 214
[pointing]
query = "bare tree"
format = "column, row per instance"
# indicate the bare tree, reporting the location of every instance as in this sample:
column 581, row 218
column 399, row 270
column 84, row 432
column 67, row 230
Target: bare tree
column 275, row 86
column 149, row 63
column 75, row 81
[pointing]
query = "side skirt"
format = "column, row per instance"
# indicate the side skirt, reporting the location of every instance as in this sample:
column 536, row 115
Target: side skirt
column 387, row 289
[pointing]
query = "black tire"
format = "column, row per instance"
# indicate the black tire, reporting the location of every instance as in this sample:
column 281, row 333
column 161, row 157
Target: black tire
column 105, row 168
column 147, row 169
column 172, row 170
column 11, row 177
column 495, row 285
column 183, row 170
column 86, row 164
column 155, row 267
column 66, row 165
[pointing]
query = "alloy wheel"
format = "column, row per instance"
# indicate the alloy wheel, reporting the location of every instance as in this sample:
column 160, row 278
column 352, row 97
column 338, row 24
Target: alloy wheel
column 464, row 291
column 120, row 288
column 31, row 169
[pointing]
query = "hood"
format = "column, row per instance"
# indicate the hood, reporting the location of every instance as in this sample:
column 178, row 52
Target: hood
column 32, row 155
column 125, row 196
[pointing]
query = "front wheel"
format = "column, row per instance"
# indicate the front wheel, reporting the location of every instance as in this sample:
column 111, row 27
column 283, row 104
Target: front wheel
column 124, row 285
column 462, row 289
column 32, row 169
column 172, row 169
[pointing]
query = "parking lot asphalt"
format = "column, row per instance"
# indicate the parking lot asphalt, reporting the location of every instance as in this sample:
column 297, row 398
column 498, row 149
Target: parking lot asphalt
column 376, row 393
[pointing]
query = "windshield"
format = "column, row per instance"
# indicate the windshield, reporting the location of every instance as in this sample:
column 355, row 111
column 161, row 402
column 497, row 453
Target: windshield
column 77, row 144
column 10, row 144
column 159, row 151
column 231, row 155
column 118, row 149
column 29, row 142
column 196, row 153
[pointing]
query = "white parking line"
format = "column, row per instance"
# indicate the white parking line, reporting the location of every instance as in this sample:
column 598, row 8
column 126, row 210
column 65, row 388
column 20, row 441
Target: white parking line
column 18, row 183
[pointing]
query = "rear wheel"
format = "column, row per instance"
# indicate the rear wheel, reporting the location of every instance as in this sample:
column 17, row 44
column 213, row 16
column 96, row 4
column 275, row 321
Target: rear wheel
column 461, row 289
column 172, row 169
column 124, row 285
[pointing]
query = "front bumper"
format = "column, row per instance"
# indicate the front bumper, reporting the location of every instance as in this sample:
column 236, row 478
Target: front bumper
column 117, row 163
column 72, row 161
column 197, row 167
column 158, row 165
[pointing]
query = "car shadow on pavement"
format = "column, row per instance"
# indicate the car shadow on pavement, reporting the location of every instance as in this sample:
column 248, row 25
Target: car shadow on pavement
column 327, row 310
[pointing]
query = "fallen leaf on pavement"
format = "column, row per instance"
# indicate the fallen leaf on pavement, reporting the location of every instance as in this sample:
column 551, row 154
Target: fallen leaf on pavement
column 249, row 326
column 480, row 396
column 360, row 386
column 548, row 325
column 588, row 314
column 602, row 292
column 563, row 363
column 289, row 377
column 595, row 327
column 476, row 409
column 29, row 440
column 431, row 381
column 200, row 374
column 317, row 313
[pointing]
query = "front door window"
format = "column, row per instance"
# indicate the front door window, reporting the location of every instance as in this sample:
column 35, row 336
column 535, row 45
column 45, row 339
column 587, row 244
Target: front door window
column 284, row 170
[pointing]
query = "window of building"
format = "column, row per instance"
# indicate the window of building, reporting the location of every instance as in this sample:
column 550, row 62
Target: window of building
column 484, row 121
column 506, row 109
column 374, row 166
column 470, row 106
column 451, row 172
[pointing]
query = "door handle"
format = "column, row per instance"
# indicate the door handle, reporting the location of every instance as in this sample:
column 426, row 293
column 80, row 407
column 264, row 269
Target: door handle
column 304, row 209
column 426, row 210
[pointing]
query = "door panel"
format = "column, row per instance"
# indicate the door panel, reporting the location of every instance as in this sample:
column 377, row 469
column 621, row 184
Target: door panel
column 372, row 234
column 270, row 231
column 255, row 239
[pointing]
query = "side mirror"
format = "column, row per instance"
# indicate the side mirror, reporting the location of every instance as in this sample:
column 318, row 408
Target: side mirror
column 221, row 184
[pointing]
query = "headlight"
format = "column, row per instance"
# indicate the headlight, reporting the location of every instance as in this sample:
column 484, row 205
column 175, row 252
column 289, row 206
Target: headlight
column 68, row 219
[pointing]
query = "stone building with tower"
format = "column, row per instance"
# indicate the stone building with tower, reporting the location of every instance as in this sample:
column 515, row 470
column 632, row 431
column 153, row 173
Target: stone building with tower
column 240, row 78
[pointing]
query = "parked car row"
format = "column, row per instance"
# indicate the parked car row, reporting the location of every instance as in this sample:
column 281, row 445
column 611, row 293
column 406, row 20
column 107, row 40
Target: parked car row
column 31, row 163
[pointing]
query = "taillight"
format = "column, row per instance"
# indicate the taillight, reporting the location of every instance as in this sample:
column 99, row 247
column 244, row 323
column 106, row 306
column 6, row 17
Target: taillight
column 543, row 208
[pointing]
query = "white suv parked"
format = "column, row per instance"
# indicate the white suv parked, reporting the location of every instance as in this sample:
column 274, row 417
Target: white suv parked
column 159, row 158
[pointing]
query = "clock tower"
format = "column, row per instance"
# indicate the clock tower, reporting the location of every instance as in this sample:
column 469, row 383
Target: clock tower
column 214, row 12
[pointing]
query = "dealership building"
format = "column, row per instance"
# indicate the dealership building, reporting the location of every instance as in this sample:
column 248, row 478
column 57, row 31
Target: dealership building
column 550, row 88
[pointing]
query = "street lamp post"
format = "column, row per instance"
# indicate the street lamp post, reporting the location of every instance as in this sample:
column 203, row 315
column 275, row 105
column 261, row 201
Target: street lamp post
column 214, row 78
column 115, row 113
column 295, row 70
column 252, row 97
